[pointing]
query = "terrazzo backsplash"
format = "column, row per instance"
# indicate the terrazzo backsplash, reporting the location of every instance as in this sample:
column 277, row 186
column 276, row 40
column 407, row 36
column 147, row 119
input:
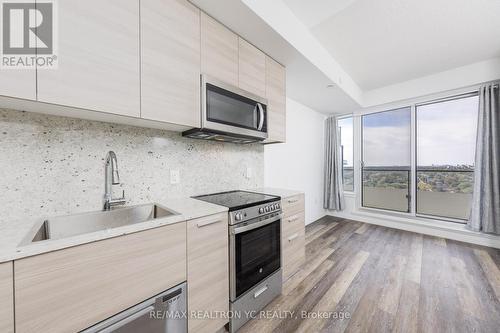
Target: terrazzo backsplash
column 55, row 165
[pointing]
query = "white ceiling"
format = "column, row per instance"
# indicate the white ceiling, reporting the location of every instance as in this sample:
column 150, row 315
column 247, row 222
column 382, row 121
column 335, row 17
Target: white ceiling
column 385, row 42
column 305, row 83
column 376, row 52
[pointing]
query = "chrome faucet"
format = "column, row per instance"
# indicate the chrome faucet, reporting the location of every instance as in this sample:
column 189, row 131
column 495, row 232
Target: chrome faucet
column 111, row 177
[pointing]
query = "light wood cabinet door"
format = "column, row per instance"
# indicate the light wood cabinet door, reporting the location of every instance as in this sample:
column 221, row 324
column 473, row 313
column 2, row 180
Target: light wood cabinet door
column 293, row 234
column 294, row 255
column 19, row 83
column 208, row 270
column 170, row 75
column 219, row 51
column 98, row 57
column 71, row 289
column 6, row 298
column 276, row 99
column 252, row 68
column 293, row 205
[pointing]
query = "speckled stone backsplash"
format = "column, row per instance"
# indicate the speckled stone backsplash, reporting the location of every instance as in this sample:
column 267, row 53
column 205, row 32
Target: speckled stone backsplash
column 55, row 165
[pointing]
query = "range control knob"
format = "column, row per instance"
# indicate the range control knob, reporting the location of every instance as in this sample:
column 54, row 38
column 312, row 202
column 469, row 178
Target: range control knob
column 278, row 206
column 238, row 216
column 261, row 210
column 267, row 209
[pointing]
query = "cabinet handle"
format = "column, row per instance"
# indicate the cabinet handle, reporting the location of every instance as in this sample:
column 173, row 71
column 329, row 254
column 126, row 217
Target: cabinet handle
column 293, row 219
column 205, row 223
column 260, row 291
column 291, row 238
column 292, row 200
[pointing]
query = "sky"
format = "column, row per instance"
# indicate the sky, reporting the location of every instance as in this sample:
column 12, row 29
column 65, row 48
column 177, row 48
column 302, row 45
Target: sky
column 446, row 132
column 446, row 135
column 386, row 138
column 346, row 139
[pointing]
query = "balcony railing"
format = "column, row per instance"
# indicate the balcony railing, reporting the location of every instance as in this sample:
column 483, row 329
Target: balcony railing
column 442, row 192
column 386, row 188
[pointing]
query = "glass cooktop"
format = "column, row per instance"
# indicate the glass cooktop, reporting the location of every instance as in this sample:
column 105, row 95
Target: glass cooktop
column 236, row 200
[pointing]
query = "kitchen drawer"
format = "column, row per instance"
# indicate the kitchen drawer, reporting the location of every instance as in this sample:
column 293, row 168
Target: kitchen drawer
column 208, row 271
column 293, row 205
column 6, row 298
column 71, row 289
column 293, row 223
column 293, row 253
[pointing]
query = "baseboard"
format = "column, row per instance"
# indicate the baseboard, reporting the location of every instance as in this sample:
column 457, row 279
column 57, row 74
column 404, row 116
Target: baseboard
column 433, row 228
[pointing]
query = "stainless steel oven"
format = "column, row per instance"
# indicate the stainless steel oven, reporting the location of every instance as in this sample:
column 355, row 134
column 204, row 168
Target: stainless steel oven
column 229, row 113
column 254, row 266
column 255, row 277
column 255, row 253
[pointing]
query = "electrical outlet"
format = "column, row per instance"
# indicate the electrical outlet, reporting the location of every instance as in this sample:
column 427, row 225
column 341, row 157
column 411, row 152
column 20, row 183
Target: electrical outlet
column 175, row 176
column 249, row 173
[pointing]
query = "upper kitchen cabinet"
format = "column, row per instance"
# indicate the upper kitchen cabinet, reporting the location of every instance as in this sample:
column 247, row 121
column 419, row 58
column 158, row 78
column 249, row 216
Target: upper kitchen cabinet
column 98, row 57
column 219, row 51
column 19, row 83
column 276, row 99
column 170, row 75
column 252, row 69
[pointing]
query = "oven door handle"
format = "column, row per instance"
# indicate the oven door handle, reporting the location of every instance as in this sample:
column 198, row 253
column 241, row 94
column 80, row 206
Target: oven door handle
column 256, row 225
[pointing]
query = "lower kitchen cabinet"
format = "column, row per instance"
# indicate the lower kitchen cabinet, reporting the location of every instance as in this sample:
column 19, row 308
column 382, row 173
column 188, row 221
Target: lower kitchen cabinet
column 293, row 234
column 208, row 272
column 71, row 289
column 6, row 298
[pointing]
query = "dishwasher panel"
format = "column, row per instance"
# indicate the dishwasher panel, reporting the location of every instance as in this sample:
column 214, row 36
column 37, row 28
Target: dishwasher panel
column 164, row 313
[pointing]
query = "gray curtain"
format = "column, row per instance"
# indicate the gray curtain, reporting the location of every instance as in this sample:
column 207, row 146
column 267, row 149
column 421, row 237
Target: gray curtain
column 485, row 211
column 333, row 192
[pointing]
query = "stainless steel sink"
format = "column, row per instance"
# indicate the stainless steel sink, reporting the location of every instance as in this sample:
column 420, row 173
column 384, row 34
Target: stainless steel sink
column 77, row 224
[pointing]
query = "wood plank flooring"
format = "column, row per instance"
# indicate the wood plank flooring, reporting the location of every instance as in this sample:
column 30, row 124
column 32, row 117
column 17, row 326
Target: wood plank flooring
column 367, row 278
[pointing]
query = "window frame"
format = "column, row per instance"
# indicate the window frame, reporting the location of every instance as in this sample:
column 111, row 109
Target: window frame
column 410, row 173
column 416, row 105
column 346, row 116
column 358, row 151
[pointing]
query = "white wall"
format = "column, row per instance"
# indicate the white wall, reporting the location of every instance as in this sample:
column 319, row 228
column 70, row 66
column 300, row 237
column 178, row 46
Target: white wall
column 298, row 163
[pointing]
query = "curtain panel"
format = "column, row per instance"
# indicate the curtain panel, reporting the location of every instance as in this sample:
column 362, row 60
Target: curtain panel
column 485, row 210
column 333, row 191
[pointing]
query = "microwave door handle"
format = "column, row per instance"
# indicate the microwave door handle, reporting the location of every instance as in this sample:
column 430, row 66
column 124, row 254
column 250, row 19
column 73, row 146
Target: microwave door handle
column 261, row 116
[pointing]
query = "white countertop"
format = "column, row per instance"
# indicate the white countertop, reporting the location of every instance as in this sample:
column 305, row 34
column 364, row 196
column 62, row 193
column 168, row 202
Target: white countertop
column 284, row 193
column 13, row 233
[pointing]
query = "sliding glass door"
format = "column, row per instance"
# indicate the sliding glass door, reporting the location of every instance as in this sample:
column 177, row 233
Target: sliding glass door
column 386, row 156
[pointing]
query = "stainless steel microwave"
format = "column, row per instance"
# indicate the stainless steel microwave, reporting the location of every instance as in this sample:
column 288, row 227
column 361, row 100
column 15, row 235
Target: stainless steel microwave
column 229, row 113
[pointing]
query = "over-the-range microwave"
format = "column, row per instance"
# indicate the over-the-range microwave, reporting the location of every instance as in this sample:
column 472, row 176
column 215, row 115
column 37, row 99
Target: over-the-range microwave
column 230, row 114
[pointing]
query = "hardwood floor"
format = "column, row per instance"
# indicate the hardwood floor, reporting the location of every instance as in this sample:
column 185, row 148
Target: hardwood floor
column 367, row 278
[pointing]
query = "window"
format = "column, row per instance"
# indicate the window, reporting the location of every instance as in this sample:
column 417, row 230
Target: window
column 347, row 152
column 446, row 136
column 386, row 160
